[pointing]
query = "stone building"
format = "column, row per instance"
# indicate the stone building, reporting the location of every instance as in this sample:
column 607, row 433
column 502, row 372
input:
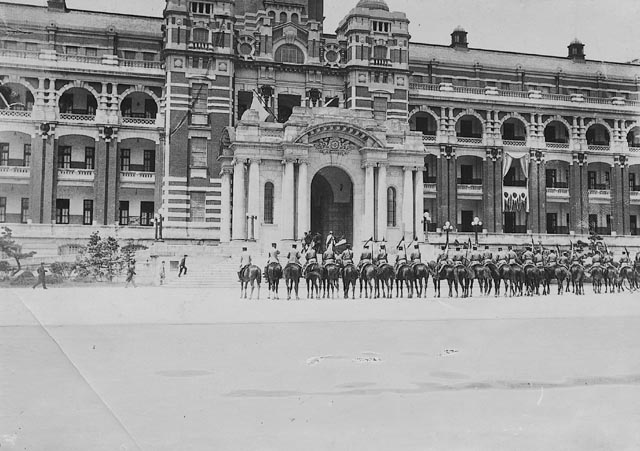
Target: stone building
column 241, row 119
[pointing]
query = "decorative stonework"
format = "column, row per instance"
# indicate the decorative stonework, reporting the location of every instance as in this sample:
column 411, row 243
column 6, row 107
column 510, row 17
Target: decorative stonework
column 357, row 137
column 334, row 145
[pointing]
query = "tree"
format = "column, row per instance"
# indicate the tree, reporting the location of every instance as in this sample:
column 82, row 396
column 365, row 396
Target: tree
column 12, row 249
column 102, row 258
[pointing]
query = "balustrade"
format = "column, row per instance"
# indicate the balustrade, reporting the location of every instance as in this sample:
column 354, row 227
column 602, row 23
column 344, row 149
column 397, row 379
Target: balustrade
column 14, row 172
column 68, row 174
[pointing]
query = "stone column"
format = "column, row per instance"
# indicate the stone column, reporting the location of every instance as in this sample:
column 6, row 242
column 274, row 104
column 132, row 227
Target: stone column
column 382, row 202
column 407, row 202
column 253, row 198
column 304, row 208
column 287, row 200
column 239, row 218
column 447, row 188
column 225, row 207
column 36, row 178
column 368, row 220
column 579, row 195
column 418, row 192
column 537, row 193
column 620, row 196
column 492, row 190
column 105, row 182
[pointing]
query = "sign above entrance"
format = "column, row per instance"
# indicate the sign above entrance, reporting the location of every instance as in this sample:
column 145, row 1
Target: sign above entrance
column 334, row 144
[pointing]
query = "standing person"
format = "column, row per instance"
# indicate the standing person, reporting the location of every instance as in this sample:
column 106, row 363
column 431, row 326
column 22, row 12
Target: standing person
column 41, row 277
column 330, row 241
column 183, row 266
column 131, row 273
column 245, row 261
column 163, row 274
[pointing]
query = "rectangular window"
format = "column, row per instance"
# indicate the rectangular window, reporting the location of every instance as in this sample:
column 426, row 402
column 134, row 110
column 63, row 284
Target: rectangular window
column 26, row 160
column 31, row 47
column 591, row 180
column 245, row 99
column 633, row 219
column 4, row 154
column 124, row 212
column 380, row 108
column 466, row 174
column 146, row 213
column 146, row 56
column 129, row 55
column 62, row 211
column 87, row 212
column 197, row 207
column 466, row 128
column 632, row 181
column 3, row 209
column 125, row 160
column 593, row 223
column 199, row 94
column 198, row 153
column 149, row 161
column 551, row 178
column 71, row 50
column 91, row 51
column 607, row 180
column 64, row 157
column 89, row 158
column 24, row 210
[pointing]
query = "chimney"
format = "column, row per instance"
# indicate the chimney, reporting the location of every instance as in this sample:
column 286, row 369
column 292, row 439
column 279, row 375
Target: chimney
column 459, row 38
column 576, row 50
column 57, row 5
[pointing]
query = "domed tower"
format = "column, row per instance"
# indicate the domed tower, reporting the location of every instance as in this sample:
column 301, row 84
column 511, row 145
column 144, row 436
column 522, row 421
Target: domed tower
column 377, row 59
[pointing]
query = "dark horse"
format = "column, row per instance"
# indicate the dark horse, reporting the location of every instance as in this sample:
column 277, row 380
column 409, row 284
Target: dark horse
column 386, row 276
column 250, row 274
column 349, row 277
column 577, row 278
column 368, row 279
column 597, row 277
column 404, row 278
column 274, row 274
column 331, row 280
column 420, row 279
column 314, row 280
column 292, row 273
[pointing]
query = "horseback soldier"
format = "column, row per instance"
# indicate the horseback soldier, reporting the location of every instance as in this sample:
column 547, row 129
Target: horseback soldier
column 457, row 257
column 512, row 257
column 596, row 259
column 487, row 256
column 443, row 258
column 564, row 259
column 607, row 260
column 416, row 257
column 401, row 258
column 347, row 256
column 475, row 258
column 366, row 258
column 311, row 259
column 329, row 256
column 245, row 262
column 624, row 260
column 382, row 258
column 293, row 257
column 538, row 258
column 501, row 257
column 527, row 256
column 552, row 258
column 274, row 255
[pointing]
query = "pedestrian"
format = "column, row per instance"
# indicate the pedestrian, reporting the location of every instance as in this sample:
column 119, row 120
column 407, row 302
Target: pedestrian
column 41, row 277
column 183, row 266
column 131, row 272
column 163, row 274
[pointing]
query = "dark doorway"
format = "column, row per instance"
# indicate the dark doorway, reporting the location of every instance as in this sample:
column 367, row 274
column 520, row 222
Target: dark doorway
column 552, row 223
column 332, row 203
column 467, row 219
column 509, row 222
column 286, row 102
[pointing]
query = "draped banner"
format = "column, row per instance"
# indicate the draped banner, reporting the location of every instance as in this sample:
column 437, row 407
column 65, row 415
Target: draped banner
column 516, row 198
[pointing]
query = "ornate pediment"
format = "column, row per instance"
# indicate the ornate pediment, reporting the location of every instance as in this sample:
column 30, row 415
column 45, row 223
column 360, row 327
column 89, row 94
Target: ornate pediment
column 334, row 144
column 338, row 137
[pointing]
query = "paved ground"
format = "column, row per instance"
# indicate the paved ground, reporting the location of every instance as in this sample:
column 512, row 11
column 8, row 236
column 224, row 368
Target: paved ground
column 162, row 369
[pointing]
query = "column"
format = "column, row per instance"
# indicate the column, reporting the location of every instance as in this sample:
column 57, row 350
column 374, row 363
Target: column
column 447, row 195
column 239, row 218
column 225, row 207
column 382, row 202
column 36, row 180
column 579, row 195
column 537, row 193
column 159, row 173
column 418, row 192
column 287, row 200
column 49, row 180
column 253, row 198
column 407, row 202
column 620, row 196
column 105, row 182
column 369, row 198
column 303, row 200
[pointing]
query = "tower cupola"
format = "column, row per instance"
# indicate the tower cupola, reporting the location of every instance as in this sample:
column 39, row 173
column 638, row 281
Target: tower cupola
column 459, row 38
column 576, row 50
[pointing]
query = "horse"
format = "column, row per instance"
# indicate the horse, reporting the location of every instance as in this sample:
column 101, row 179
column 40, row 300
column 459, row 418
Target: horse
column 517, row 280
column 505, row 274
column 626, row 272
column 386, row 276
column 330, row 279
column 349, row 277
column 292, row 273
column 368, row 279
column 483, row 275
column 611, row 280
column 404, row 278
column 597, row 277
column 577, row 278
column 274, row 274
column 461, row 277
column 420, row 276
column 314, row 280
column 531, row 279
column 250, row 274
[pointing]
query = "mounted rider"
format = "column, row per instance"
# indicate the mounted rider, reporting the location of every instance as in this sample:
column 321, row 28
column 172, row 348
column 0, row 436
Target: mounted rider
column 366, row 258
column 512, row 257
column 500, row 258
column 458, row 258
column 329, row 256
column 607, row 260
column 527, row 257
column 596, row 260
column 487, row 255
column 293, row 257
column 382, row 258
column 625, row 261
column 311, row 259
column 443, row 258
column 416, row 256
column 538, row 258
column 401, row 258
column 347, row 256
column 245, row 262
column 274, row 257
column 475, row 258
column 564, row 260
column 552, row 258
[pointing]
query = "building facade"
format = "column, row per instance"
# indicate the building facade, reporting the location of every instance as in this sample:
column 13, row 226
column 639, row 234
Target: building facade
column 245, row 119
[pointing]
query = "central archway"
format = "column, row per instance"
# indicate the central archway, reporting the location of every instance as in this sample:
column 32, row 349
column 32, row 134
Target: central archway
column 332, row 203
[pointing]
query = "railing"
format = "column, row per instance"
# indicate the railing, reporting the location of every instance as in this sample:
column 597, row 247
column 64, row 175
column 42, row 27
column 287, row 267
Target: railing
column 557, row 145
column 201, row 45
column 134, row 176
column 559, row 230
column 635, row 196
column 143, row 64
column 634, row 149
column 424, row 86
column 430, row 187
column 428, row 138
column 431, row 179
column 598, row 186
column 75, row 174
column 18, row 53
column 15, row 171
column 380, row 62
column 599, row 194
column 514, row 142
column 77, row 117
column 561, row 193
column 469, row 189
column 465, row 140
column 520, row 183
column 599, row 148
column 469, row 181
column 80, row 58
column 138, row 121
column 15, row 113
column 559, row 185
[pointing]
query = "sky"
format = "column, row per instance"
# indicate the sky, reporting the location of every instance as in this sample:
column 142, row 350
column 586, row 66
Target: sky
column 608, row 29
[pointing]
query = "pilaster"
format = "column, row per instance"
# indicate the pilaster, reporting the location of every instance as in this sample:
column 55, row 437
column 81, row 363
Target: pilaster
column 225, row 206
column 407, row 201
column 579, row 194
column 368, row 222
column 287, row 200
column 418, row 193
column 239, row 218
column 381, row 231
column 253, row 195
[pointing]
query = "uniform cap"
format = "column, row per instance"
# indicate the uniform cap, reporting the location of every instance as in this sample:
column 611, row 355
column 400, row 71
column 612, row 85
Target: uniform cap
column 295, row 245
column 244, row 248
column 486, row 247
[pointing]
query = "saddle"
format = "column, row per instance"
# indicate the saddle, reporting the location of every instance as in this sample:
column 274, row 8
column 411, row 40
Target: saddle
column 294, row 264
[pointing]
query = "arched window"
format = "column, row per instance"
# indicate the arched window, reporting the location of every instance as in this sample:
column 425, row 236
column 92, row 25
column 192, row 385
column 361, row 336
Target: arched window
column 272, row 16
column 294, row 18
column 283, row 17
column 391, row 207
column 289, row 53
column 268, row 203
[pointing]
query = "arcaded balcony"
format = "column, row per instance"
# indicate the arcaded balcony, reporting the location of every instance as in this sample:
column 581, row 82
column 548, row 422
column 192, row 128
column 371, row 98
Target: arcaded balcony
column 598, row 138
column 556, row 135
column 16, row 100
column 78, row 105
column 139, row 108
column 424, row 122
column 633, row 139
column 514, row 133
column 469, row 130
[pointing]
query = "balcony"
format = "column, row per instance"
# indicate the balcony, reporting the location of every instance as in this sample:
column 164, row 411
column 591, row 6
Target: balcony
column 557, row 146
column 135, row 177
column 514, row 142
column 380, row 62
column 599, row 194
column 15, row 113
column 14, row 172
column 200, row 46
column 470, row 189
column 75, row 175
column 77, row 117
column 139, row 121
column 599, row 147
column 430, row 188
column 558, row 193
column 469, row 139
column 635, row 197
column 427, row 139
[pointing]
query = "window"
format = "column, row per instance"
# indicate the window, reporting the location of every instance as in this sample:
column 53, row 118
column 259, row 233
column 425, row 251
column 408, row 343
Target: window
column 199, row 94
column 591, row 180
column 196, row 207
column 466, row 128
column 295, row 18
column 146, row 56
column 391, row 207
column 125, row 160
column 64, row 157
column 71, row 50
column 87, row 212
column 149, row 161
column 91, row 51
column 31, row 47
column 129, row 55
column 3, row 209
column 124, row 212
column 268, row 203
column 198, row 153
column 146, row 213
column 201, row 8
column 289, row 53
column 283, row 17
column 26, row 160
column 4, row 154
column 380, row 52
column 632, row 181
column 200, row 35
column 380, row 108
column 466, row 174
column 607, row 180
column 24, row 210
column 89, row 158
column 551, row 178
column 245, row 98
column 62, row 211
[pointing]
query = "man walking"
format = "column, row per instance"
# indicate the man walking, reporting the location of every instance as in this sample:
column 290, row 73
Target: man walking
column 131, row 273
column 183, row 266
column 163, row 274
column 41, row 277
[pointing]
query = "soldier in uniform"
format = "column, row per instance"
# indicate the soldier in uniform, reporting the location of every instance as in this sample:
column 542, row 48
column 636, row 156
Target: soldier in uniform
column 607, row 260
column 347, row 256
column 527, row 256
column 564, row 259
column 538, row 258
column 328, row 256
column 245, row 261
column 382, row 257
column 366, row 258
column 501, row 257
column 475, row 258
column 512, row 257
column 596, row 260
column 457, row 257
column 416, row 257
column 293, row 257
column 401, row 258
column 311, row 258
column 552, row 258
column 624, row 260
column 487, row 256
column 274, row 255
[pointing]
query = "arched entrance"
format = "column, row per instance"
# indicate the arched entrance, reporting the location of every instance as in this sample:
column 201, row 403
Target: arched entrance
column 332, row 203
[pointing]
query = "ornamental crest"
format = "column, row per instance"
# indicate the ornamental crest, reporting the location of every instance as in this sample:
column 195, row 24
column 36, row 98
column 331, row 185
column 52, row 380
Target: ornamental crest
column 334, row 145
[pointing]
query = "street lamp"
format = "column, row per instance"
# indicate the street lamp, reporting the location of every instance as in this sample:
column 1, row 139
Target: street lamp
column 476, row 223
column 447, row 228
column 252, row 218
column 158, row 218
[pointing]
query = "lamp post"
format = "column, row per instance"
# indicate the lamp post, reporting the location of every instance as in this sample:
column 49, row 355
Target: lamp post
column 252, row 218
column 476, row 223
column 447, row 228
column 158, row 218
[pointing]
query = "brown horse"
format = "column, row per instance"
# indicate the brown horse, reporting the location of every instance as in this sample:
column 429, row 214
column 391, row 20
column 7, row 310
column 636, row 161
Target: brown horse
column 250, row 274
column 331, row 280
column 597, row 277
column 368, row 280
column 292, row 274
column 385, row 279
column 420, row 279
column 314, row 280
column 577, row 278
column 349, row 277
column 274, row 274
column 404, row 278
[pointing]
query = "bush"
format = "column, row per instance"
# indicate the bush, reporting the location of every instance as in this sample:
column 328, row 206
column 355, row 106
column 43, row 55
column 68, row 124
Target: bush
column 63, row 269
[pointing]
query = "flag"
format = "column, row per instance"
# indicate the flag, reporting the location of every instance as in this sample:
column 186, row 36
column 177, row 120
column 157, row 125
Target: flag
column 4, row 101
column 342, row 242
column 368, row 241
column 257, row 105
column 334, row 102
column 400, row 244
